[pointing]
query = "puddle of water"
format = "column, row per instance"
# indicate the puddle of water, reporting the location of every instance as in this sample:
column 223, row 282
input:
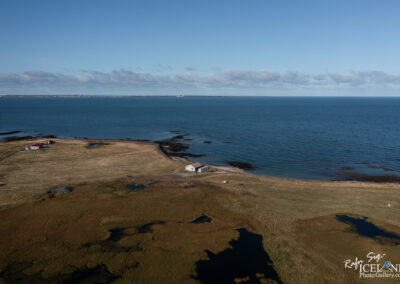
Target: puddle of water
column 116, row 234
column 135, row 186
column 93, row 146
column 202, row 219
column 367, row 229
column 98, row 274
column 245, row 260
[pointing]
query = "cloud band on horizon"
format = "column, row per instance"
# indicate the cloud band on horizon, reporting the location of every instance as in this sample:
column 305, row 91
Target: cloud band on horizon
column 225, row 79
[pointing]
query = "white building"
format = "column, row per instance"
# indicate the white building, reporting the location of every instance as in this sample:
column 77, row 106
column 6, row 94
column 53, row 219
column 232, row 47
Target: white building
column 196, row 167
column 202, row 169
column 34, row 147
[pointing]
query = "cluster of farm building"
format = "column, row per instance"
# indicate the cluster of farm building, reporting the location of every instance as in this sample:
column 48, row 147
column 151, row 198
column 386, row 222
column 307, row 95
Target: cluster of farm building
column 38, row 146
column 194, row 167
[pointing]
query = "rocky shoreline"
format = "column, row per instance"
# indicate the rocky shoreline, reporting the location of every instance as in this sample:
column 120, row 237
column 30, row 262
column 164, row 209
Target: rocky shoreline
column 176, row 147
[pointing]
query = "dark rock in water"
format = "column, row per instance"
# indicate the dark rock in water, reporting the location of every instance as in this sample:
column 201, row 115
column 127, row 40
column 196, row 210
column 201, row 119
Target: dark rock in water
column 10, row 133
column 172, row 147
column 364, row 228
column 178, row 137
column 347, row 168
column 17, row 138
column 374, row 165
column 175, row 148
column 134, row 187
column 202, row 219
column 138, row 140
column 185, row 155
column 61, row 189
column 207, row 142
column 245, row 259
column 241, row 165
column 370, row 178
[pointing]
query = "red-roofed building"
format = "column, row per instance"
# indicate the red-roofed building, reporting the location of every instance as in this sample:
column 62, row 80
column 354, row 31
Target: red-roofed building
column 36, row 146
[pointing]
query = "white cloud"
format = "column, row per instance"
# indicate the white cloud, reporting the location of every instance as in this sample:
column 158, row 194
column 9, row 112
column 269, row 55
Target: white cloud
column 190, row 68
column 223, row 79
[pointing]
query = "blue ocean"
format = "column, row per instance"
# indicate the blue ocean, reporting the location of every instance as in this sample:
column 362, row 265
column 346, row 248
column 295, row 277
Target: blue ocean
column 302, row 137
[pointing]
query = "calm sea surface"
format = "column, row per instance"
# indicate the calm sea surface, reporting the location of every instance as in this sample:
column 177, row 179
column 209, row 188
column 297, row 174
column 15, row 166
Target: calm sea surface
column 312, row 138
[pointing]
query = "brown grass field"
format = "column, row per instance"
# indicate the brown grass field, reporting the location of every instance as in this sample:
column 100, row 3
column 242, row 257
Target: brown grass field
column 64, row 238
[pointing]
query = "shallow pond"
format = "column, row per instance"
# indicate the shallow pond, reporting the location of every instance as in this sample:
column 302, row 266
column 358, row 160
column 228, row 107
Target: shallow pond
column 135, row 186
column 244, row 259
column 202, row 219
column 93, row 145
column 367, row 229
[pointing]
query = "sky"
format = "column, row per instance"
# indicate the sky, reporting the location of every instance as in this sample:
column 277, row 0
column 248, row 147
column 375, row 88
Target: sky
column 236, row 47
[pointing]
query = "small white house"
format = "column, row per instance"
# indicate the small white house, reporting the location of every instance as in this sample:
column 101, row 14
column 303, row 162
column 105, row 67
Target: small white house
column 196, row 167
column 48, row 142
column 193, row 167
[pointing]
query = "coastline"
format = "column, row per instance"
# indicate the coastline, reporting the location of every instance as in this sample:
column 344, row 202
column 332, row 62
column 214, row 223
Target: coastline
column 186, row 159
column 273, row 150
column 72, row 199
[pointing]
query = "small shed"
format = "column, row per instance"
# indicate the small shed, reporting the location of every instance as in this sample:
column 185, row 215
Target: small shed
column 193, row 167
